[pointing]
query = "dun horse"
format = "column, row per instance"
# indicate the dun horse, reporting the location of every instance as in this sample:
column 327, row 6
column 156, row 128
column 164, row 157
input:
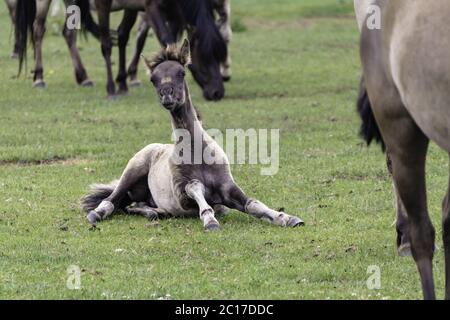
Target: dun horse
column 30, row 17
column 168, row 19
column 405, row 92
column 162, row 186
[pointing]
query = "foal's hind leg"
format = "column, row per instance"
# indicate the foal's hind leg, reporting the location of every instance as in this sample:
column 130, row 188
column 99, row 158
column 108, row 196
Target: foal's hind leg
column 137, row 169
column 196, row 191
column 446, row 239
column 234, row 197
column 144, row 209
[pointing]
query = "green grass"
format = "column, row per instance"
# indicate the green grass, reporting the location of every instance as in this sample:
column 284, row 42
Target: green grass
column 296, row 68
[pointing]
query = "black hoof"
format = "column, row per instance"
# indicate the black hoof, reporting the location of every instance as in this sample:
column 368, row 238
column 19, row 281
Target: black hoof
column 152, row 216
column 295, row 222
column 212, row 226
column 226, row 78
column 93, row 217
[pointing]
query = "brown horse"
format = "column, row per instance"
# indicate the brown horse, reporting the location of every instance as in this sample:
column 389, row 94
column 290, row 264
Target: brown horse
column 30, row 17
column 406, row 70
column 168, row 19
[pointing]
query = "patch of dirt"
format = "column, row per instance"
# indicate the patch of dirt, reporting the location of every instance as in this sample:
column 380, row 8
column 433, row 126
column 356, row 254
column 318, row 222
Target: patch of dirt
column 57, row 160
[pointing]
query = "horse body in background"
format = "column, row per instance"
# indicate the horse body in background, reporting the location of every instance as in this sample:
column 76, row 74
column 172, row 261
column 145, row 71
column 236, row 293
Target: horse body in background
column 30, row 18
column 406, row 70
column 221, row 8
column 168, row 19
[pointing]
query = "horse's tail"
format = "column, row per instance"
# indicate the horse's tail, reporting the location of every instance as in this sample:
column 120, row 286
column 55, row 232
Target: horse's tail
column 87, row 21
column 25, row 16
column 97, row 193
column 369, row 129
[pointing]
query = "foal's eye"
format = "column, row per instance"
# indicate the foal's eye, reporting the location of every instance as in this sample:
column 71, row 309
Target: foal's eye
column 153, row 80
column 181, row 74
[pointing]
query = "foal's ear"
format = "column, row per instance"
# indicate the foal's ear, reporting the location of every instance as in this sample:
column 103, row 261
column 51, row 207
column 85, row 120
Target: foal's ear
column 185, row 53
column 147, row 63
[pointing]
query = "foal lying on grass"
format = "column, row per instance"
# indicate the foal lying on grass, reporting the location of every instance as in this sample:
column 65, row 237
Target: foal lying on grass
column 155, row 185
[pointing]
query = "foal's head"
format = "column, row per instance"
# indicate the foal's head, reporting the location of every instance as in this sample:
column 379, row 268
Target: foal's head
column 167, row 70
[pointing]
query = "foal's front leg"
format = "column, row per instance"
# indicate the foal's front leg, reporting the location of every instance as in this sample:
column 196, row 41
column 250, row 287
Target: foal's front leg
column 196, row 191
column 235, row 198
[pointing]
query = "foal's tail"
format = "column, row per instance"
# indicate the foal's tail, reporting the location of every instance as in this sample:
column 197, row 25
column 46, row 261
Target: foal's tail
column 97, row 193
column 369, row 129
column 25, row 16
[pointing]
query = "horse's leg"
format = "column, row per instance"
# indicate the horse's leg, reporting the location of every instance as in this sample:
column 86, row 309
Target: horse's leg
column 80, row 72
column 446, row 239
column 196, row 191
column 235, row 198
column 156, row 19
column 103, row 10
column 407, row 149
column 223, row 10
column 42, row 8
column 140, row 43
column 144, row 209
column 402, row 224
column 12, row 8
column 128, row 20
column 130, row 183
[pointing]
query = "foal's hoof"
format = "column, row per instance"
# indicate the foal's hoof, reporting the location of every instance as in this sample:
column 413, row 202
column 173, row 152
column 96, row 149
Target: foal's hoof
column 226, row 78
column 87, row 83
column 14, row 55
column 122, row 92
column 93, row 217
column 39, row 84
column 404, row 250
column 295, row 222
column 212, row 226
column 135, row 83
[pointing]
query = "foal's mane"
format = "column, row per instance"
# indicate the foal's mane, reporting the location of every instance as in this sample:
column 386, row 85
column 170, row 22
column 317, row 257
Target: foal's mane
column 170, row 53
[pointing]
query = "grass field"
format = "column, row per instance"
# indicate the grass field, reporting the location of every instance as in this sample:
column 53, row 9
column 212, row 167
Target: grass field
column 296, row 68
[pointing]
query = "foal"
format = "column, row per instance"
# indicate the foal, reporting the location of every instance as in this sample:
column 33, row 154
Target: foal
column 162, row 186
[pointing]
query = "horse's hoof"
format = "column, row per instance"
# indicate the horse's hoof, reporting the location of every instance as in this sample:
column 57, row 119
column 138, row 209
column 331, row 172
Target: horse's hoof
column 226, row 78
column 122, row 92
column 152, row 216
column 93, row 217
column 212, row 226
column 39, row 84
column 14, row 55
column 112, row 97
column 404, row 250
column 135, row 83
column 87, row 83
column 295, row 222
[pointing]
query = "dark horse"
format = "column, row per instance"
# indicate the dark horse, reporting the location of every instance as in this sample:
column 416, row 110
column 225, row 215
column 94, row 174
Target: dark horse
column 30, row 18
column 404, row 103
column 168, row 18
